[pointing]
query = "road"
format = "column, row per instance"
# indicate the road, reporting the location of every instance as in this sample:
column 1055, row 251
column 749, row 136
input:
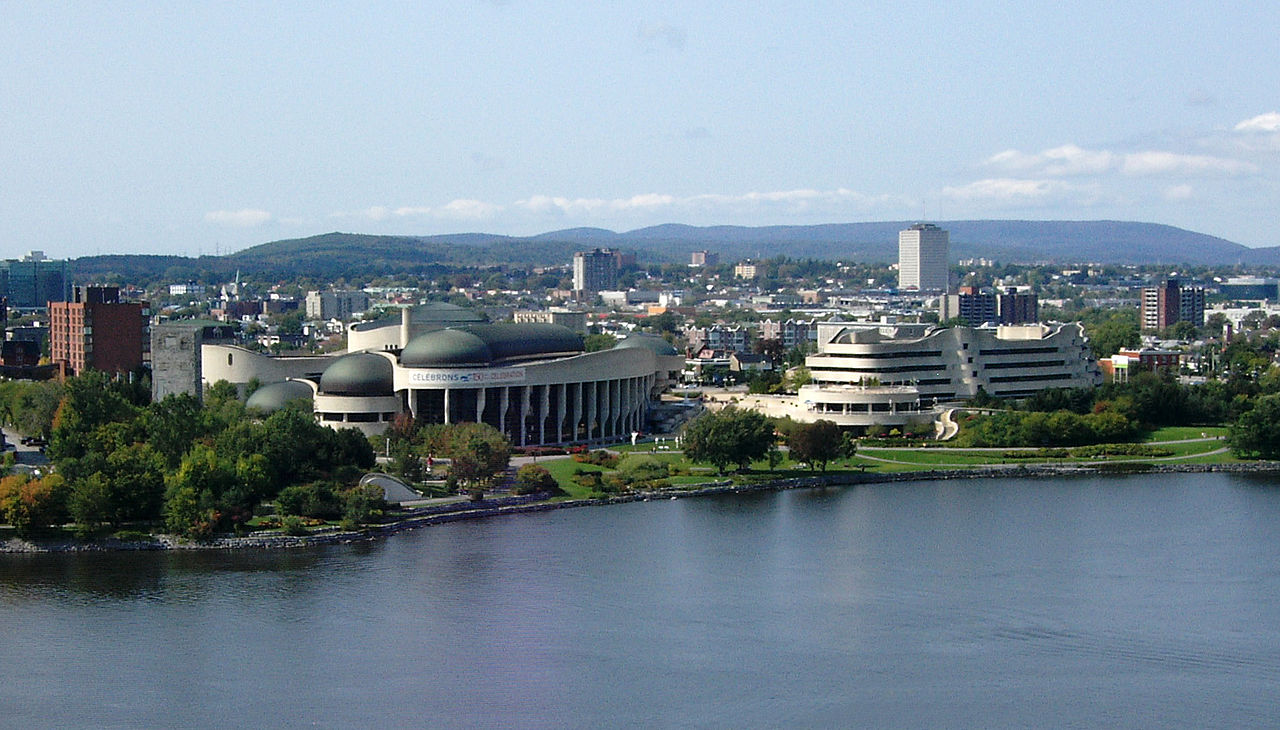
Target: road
column 29, row 456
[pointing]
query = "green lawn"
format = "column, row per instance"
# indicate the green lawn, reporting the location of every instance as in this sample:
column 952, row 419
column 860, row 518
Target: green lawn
column 1178, row 433
column 904, row 460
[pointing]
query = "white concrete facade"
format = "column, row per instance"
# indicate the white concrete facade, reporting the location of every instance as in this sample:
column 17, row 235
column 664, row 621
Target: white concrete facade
column 953, row 363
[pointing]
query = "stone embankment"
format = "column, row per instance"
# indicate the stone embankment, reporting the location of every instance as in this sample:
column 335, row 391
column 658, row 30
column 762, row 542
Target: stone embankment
column 437, row 514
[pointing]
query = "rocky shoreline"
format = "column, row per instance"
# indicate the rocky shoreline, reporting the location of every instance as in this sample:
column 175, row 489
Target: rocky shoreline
column 534, row 503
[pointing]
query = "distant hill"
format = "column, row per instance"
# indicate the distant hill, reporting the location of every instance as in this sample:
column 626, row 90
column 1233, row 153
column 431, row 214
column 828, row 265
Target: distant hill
column 351, row 255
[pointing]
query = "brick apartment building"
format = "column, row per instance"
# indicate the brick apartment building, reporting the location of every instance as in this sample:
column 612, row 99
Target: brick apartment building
column 95, row 330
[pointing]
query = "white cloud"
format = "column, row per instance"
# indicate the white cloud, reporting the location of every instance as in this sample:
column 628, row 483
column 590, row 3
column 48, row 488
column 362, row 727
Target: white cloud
column 580, row 206
column 788, row 201
column 464, row 209
column 1061, row 161
column 246, row 218
column 1178, row 192
column 461, row 209
column 1070, row 160
column 1005, row 189
column 1164, row 163
column 1269, row 122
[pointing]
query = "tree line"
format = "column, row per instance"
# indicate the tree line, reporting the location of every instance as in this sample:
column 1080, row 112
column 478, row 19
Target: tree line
column 196, row 469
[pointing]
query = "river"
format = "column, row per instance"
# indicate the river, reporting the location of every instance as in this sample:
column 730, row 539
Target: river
column 1138, row 601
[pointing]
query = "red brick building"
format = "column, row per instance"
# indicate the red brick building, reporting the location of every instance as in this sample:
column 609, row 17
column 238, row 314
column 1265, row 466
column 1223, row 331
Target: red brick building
column 95, row 330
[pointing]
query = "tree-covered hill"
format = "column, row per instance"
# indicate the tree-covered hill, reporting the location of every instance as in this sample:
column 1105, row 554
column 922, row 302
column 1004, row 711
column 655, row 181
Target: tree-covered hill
column 350, row 255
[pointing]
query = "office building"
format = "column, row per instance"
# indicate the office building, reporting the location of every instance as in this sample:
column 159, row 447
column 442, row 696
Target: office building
column 953, row 363
column 33, row 281
column 922, row 258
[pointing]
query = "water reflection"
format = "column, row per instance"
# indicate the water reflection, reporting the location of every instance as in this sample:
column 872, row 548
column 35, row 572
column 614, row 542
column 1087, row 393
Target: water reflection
column 1140, row 601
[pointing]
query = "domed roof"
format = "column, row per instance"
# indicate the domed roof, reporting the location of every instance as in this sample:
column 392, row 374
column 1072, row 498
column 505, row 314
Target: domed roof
column 360, row 373
column 658, row 345
column 445, row 348
column 489, row 344
column 271, row 398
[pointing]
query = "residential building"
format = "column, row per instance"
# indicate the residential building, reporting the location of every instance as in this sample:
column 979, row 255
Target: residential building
column 792, row 332
column 334, row 304
column 185, row 289
column 1120, row 366
column 1170, row 303
column 595, row 270
column 972, row 306
column 719, row 337
column 746, row 270
column 1017, row 307
column 96, row 330
column 704, row 259
column 922, row 258
column 576, row 321
column 749, row 362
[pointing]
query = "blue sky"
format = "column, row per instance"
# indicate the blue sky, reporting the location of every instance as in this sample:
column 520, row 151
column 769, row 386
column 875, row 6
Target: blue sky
column 209, row 127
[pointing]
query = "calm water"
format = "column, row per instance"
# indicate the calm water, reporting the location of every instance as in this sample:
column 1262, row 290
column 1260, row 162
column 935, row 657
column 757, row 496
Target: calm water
column 1121, row 602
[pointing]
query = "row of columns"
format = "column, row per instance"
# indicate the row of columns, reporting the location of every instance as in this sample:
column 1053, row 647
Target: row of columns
column 859, row 408
column 553, row 413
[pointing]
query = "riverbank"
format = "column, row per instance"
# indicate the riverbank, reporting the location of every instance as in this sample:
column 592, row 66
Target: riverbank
column 440, row 514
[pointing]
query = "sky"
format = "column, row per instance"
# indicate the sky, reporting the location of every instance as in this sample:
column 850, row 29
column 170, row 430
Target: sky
column 205, row 128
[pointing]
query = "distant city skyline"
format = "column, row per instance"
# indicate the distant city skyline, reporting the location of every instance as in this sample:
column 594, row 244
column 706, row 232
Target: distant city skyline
column 153, row 128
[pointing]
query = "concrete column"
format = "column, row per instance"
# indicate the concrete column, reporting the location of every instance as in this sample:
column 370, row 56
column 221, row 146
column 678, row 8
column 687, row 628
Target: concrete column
column 616, row 398
column 577, row 409
column 480, row 394
column 593, row 412
column 504, row 402
column 447, row 418
column 524, row 415
column 544, row 409
column 561, row 409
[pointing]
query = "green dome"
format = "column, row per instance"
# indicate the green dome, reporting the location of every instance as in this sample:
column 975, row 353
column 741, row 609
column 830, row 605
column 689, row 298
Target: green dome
column 446, row 348
column 658, row 345
column 489, row 344
column 361, row 373
column 271, row 398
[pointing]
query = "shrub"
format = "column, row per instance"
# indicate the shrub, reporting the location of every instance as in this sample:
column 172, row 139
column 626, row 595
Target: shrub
column 363, row 505
column 587, row 479
column 638, row 468
column 133, row 536
column 317, row 499
column 532, row 478
column 600, row 457
column 293, row 525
